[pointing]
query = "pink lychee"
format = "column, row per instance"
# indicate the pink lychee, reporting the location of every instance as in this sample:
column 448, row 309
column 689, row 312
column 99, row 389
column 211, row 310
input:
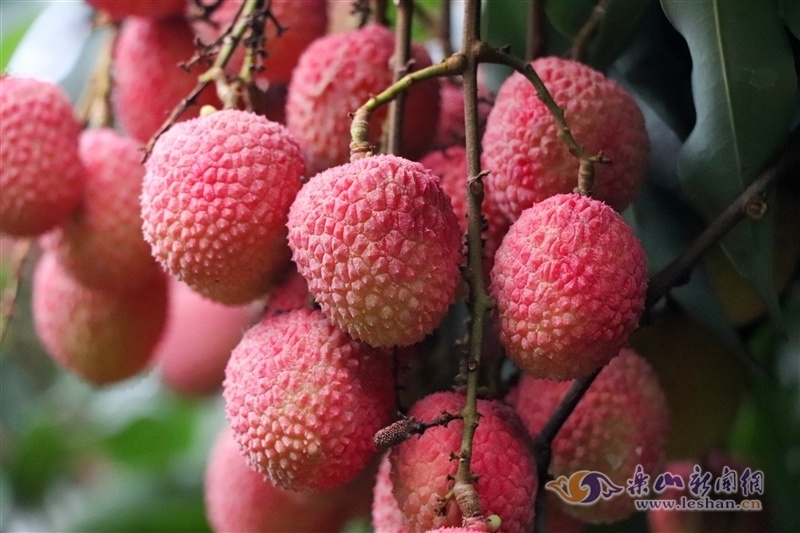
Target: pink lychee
column 386, row 515
column 101, row 243
column 528, row 162
column 380, row 247
column 621, row 422
column 41, row 176
column 119, row 9
column 335, row 76
column 450, row 131
column 569, row 280
column 501, row 459
column 301, row 22
column 102, row 337
column 148, row 80
column 215, row 200
column 304, row 400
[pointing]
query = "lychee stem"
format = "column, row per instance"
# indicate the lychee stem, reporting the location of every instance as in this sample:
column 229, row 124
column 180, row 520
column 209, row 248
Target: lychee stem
column 20, row 252
column 588, row 30
column 95, row 110
column 402, row 52
column 535, row 35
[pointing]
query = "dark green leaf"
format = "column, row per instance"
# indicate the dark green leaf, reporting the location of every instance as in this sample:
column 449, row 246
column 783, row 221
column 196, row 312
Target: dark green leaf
column 790, row 11
column 745, row 92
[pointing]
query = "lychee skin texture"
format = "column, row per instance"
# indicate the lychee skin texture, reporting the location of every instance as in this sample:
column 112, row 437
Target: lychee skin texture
column 119, row 9
column 303, row 21
column 386, row 515
column 380, row 247
column 148, row 80
column 569, row 281
column 620, row 422
column 501, row 459
column 101, row 337
column 215, row 200
column 238, row 499
column 527, row 162
column 304, row 400
column 41, row 176
column 101, row 243
column 451, row 128
column 335, row 76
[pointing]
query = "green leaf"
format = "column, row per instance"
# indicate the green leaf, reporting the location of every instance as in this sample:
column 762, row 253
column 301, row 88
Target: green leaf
column 745, row 92
column 9, row 41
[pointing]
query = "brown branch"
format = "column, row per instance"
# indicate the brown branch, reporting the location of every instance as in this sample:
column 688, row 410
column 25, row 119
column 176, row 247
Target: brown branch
column 407, row 427
column 400, row 64
column 20, row 252
column 588, row 30
column 444, row 30
column 96, row 108
column 535, row 36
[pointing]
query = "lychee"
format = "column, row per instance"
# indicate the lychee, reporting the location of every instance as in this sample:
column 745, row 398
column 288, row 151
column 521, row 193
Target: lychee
column 148, row 80
column 41, row 175
column 304, row 400
column 291, row 293
column 621, row 422
column 102, row 337
column 101, row 243
column 215, row 200
column 239, row 499
column 569, row 280
column 335, row 76
column 450, row 131
column 380, row 247
column 301, row 22
column 119, row 9
column 386, row 515
column 198, row 339
column 528, row 162
column 501, row 459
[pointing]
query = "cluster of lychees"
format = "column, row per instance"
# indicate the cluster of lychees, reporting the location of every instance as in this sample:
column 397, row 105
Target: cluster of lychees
column 342, row 267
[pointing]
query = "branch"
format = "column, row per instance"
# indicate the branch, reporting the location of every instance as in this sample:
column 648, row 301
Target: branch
column 20, row 252
column 535, row 36
column 400, row 63
column 407, row 427
column 588, row 30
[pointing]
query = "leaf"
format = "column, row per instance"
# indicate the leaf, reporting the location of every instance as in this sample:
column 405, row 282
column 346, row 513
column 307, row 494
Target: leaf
column 790, row 11
column 745, row 91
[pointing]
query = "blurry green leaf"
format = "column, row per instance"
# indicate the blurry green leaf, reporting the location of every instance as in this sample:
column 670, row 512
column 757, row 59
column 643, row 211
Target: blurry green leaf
column 358, row 525
column 745, row 91
column 505, row 24
column 568, row 16
column 790, row 11
column 9, row 42
column 35, row 458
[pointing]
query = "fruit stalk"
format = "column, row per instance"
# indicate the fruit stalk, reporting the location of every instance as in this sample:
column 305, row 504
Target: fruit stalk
column 402, row 54
column 588, row 30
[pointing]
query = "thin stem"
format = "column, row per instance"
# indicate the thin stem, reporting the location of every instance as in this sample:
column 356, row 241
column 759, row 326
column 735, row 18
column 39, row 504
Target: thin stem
column 407, row 427
column 444, row 29
column 96, row 109
column 535, row 37
column 20, row 251
column 402, row 53
column 588, row 30
column 379, row 14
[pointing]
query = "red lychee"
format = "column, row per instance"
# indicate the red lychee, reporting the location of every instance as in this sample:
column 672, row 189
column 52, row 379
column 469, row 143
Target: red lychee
column 379, row 245
column 238, row 499
column 215, row 200
column 119, row 9
column 501, row 459
column 621, row 422
column 386, row 515
column 304, row 400
column 41, row 176
column 148, row 80
column 569, row 280
column 101, row 243
column 335, row 76
column 526, row 160
column 450, row 130
column 198, row 340
column 292, row 293
column 102, row 337
column 301, row 22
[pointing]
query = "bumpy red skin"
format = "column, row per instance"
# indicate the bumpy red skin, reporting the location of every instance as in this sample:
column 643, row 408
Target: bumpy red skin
column 148, row 81
column 304, row 400
column 41, row 176
column 198, row 340
column 569, row 280
column 335, row 76
column 386, row 515
column 500, row 457
column 119, row 9
column 622, row 421
column 303, row 21
column 239, row 499
column 379, row 245
column 527, row 162
column 101, row 337
column 101, row 242
column 215, row 200
column 451, row 128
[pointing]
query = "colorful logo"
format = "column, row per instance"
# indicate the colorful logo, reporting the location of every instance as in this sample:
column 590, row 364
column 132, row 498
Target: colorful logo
column 584, row 487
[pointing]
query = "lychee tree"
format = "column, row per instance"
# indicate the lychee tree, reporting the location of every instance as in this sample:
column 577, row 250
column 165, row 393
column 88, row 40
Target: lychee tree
column 459, row 263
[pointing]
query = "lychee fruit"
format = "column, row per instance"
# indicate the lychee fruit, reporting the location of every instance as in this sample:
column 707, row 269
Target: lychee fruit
column 621, row 422
column 301, row 22
column 198, row 339
column 335, row 76
column 119, row 9
column 379, row 244
column 386, row 514
column 41, row 175
column 148, row 80
column 304, row 400
column 101, row 243
column 102, row 337
column 569, row 281
column 450, row 131
column 239, row 499
column 501, row 459
column 215, row 201
column 528, row 162
column 291, row 293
